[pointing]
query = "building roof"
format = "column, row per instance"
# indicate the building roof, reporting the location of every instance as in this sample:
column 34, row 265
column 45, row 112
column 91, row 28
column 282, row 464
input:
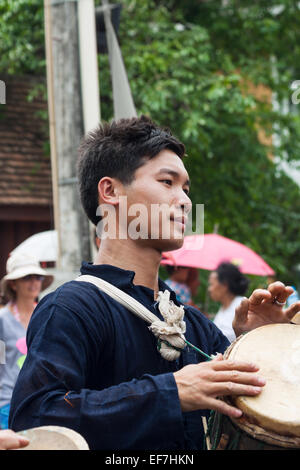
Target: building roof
column 25, row 167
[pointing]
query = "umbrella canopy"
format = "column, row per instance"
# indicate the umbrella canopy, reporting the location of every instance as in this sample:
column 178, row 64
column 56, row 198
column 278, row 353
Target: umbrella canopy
column 209, row 250
column 43, row 245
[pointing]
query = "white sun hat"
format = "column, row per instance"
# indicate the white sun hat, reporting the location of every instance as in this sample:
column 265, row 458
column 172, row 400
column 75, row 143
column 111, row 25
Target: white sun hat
column 22, row 264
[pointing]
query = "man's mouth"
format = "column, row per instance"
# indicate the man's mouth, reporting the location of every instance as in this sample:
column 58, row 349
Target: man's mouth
column 180, row 220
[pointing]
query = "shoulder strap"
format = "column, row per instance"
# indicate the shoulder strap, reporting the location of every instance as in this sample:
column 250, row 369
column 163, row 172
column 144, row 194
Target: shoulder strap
column 170, row 331
column 126, row 300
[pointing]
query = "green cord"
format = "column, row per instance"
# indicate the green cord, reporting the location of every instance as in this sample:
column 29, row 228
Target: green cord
column 198, row 350
column 188, row 343
column 159, row 341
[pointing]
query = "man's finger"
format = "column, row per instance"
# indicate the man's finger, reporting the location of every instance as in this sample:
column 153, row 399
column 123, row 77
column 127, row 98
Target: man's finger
column 218, row 357
column 228, row 364
column 284, row 296
column 242, row 310
column 222, row 389
column 279, row 291
column 246, row 378
column 223, row 408
column 23, row 441
column 292, row 311
column 259, row 295
column 275, row 286
column 11, row 440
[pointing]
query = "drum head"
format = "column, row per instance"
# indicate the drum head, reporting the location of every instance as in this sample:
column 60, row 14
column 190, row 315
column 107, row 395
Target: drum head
column 53, row 438
column 275, row 349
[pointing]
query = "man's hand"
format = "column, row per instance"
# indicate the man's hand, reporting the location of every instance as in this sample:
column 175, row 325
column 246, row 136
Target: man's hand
column 10, row 440
column 199, row 385
column 262, row 308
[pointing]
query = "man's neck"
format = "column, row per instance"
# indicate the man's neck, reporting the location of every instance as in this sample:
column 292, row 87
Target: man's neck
column 127, row 254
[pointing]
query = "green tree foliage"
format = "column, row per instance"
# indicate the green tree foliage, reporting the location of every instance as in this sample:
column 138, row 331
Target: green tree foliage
column 189, row 70
column 189, row 65
column 22, row 37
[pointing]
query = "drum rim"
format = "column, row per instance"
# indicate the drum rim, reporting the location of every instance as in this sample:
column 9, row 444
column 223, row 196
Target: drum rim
column 77, row 439
column 257, row 432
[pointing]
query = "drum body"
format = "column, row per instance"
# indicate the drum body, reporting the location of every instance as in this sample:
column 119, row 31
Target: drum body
column 270, row 420
column 226, row 433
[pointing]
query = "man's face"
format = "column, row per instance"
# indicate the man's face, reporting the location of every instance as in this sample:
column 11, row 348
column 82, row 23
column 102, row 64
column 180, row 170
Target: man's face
column 158, row 202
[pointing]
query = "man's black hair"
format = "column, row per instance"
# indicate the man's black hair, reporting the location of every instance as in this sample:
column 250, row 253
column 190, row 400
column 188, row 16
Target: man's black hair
column 117, row 150
column 230, row 274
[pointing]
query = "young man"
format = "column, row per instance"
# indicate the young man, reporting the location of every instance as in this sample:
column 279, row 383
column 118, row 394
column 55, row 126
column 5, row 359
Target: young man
column 94, row 366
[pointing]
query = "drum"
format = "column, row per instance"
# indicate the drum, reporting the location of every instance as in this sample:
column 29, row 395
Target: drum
column 53, row 438
column 270, row 420
column 296, row 319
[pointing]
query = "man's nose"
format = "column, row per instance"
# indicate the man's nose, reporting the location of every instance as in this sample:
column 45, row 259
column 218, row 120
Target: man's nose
column 186, row 206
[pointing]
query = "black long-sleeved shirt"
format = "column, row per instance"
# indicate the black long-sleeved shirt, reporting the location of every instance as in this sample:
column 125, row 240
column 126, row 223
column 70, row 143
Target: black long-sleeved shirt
column 94, row 367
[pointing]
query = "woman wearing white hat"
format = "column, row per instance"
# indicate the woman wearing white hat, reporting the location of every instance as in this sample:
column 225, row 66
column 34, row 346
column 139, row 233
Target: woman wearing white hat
column 21, row 286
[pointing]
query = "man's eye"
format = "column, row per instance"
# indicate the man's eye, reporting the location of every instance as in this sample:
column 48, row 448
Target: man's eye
column 169, row 182
column 186, row 191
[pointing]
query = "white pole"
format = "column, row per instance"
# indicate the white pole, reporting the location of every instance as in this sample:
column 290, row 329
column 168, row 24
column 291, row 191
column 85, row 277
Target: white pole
column 88, row 64
column 90, row 92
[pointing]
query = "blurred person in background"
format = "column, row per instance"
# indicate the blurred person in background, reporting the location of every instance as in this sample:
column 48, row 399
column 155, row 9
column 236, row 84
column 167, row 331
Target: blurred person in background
column 177, row 281
column 20, row 289
column 228, row 286
column 193, row 283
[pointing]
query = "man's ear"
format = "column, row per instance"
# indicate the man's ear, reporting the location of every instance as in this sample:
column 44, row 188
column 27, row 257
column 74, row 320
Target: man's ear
column 108, row 190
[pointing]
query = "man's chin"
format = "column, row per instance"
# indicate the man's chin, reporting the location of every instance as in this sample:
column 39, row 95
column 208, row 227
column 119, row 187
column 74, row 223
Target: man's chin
column 171, row 244
column 162, row 244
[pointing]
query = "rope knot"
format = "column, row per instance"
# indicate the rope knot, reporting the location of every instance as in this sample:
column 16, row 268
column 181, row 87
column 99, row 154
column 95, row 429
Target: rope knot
column 171, row 330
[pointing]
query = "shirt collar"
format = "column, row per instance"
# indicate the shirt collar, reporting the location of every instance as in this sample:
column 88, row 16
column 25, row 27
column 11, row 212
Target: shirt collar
column 121, row 278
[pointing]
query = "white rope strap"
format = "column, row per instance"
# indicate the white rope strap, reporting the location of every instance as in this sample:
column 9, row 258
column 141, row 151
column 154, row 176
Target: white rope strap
column 170, row 331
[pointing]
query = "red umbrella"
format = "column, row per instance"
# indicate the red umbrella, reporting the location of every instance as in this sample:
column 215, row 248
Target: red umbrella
column 209, row 250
